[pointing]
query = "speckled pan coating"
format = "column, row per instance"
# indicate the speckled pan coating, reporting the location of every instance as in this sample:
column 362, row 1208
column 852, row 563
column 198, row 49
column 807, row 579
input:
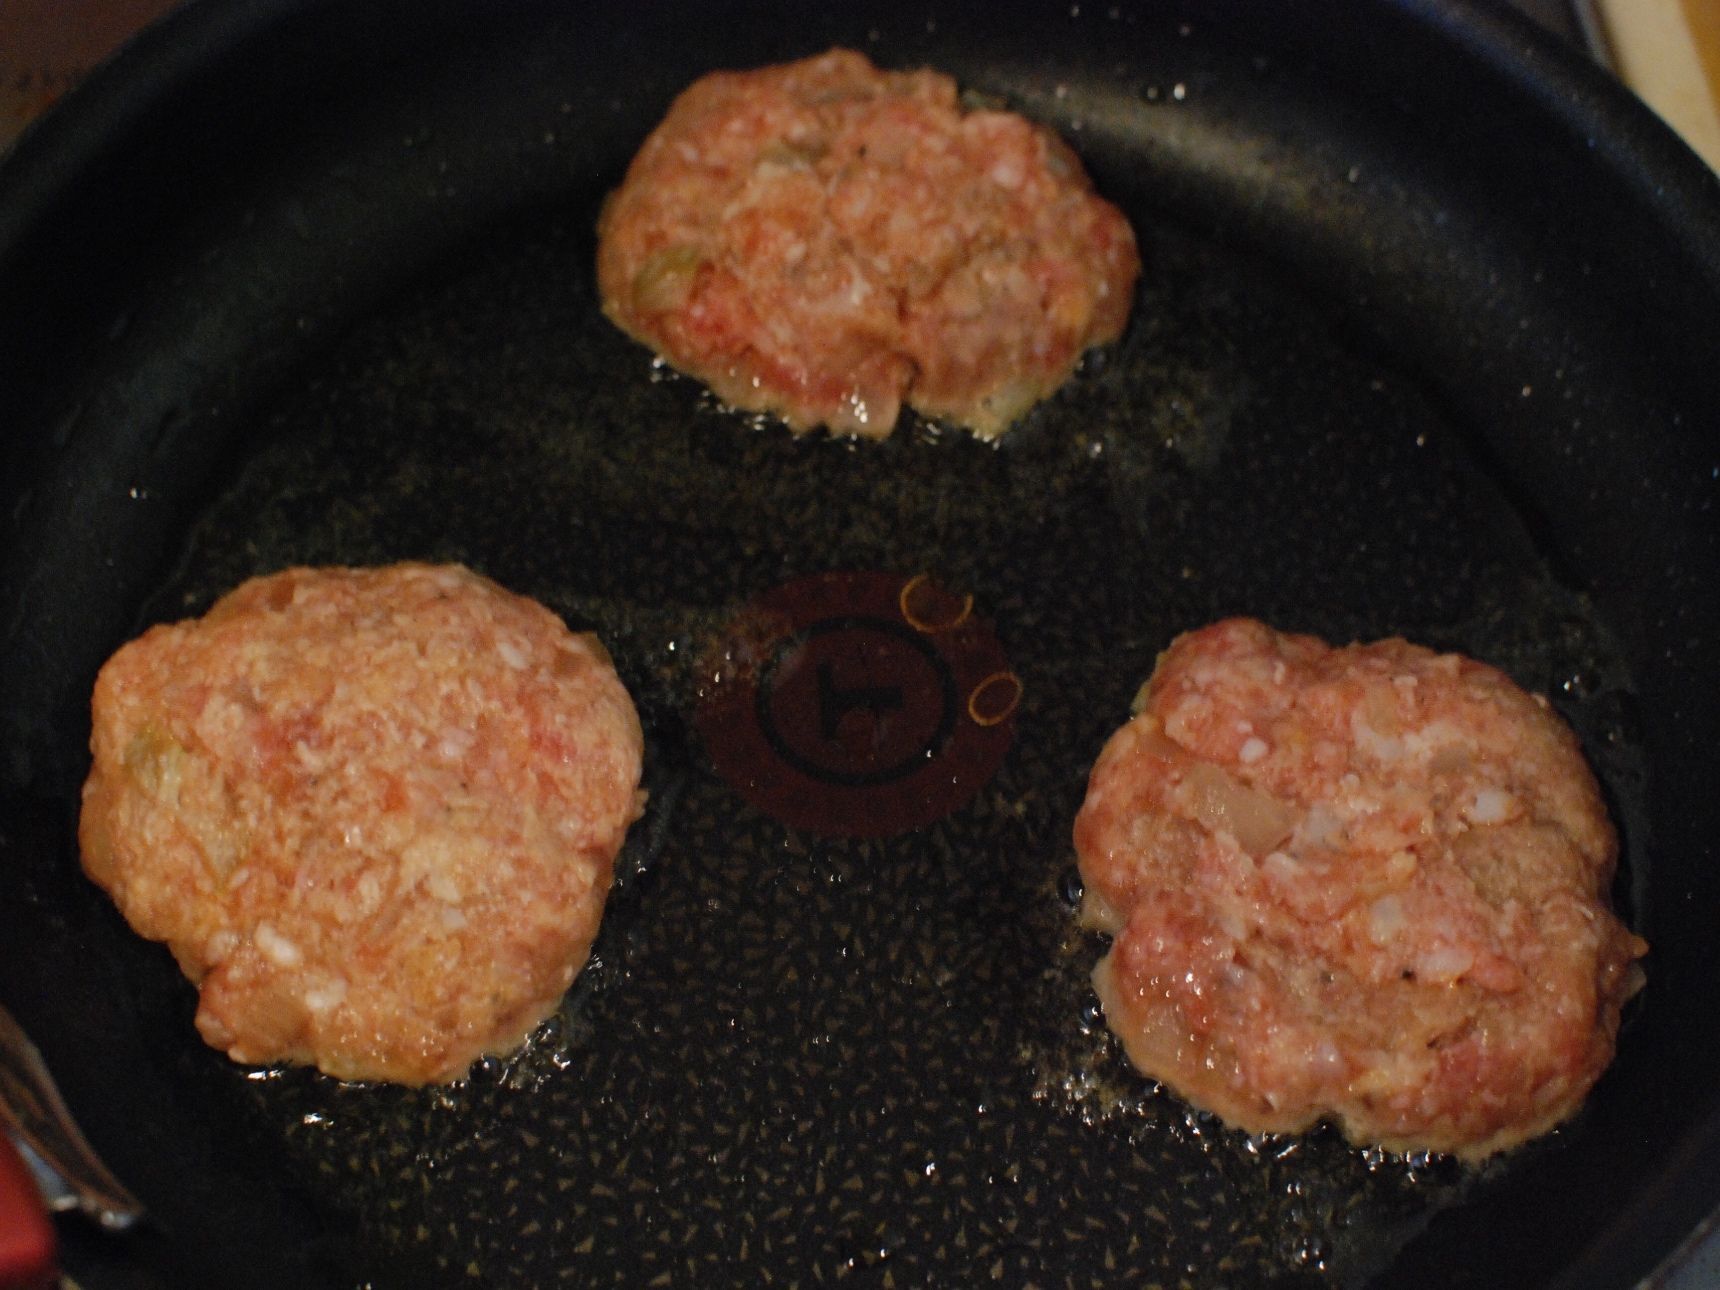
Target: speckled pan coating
column 803, row 1059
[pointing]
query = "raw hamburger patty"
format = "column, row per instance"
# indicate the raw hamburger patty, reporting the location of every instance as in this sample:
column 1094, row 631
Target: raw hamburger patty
column 1365, row 884
column 373, row 813
column 824, row 240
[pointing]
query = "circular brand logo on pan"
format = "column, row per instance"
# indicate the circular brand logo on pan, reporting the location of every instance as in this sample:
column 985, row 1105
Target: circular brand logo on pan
column 857, row 704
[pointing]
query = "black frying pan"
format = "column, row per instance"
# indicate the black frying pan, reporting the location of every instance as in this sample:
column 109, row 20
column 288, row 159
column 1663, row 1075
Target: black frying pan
column 1425, row 344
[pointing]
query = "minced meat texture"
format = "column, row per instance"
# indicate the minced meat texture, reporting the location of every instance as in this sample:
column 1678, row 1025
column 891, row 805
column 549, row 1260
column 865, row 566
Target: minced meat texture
column 373, row 813
column 1366, row 885
column 825, row 241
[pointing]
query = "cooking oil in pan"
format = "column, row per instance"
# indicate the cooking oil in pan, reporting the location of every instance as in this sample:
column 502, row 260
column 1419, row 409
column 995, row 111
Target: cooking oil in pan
column 815, row 1054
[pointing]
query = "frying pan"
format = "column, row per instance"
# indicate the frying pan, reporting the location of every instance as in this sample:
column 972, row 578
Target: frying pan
column 1425, row 344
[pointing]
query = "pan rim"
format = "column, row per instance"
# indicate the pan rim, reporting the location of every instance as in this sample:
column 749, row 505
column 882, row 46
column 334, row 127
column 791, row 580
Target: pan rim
column 1631, row 146
column 90, row 124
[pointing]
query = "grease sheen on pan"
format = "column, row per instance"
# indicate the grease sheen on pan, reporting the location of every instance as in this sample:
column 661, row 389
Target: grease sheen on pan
column 1365, row 884
column 826, row 241
column 373, row 813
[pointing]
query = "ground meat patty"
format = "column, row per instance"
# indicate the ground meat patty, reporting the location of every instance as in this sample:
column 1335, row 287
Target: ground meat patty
column 373, row 813
column 824, row 240
column 1364, row 884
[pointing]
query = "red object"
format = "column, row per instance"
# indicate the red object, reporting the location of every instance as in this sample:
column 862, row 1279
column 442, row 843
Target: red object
column 27, row 1241
column 857, row 704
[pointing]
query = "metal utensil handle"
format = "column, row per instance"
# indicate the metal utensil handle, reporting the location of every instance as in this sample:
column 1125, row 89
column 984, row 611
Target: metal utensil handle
column 32, row 1110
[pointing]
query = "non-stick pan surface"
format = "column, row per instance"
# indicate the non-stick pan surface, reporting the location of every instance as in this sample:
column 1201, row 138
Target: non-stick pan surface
column 1424, row 345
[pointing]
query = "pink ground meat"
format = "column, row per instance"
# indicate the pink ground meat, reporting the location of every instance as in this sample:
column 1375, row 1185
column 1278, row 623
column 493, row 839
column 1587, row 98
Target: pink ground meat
column 826, row 241
column 1366, row 885
column 373, row 813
